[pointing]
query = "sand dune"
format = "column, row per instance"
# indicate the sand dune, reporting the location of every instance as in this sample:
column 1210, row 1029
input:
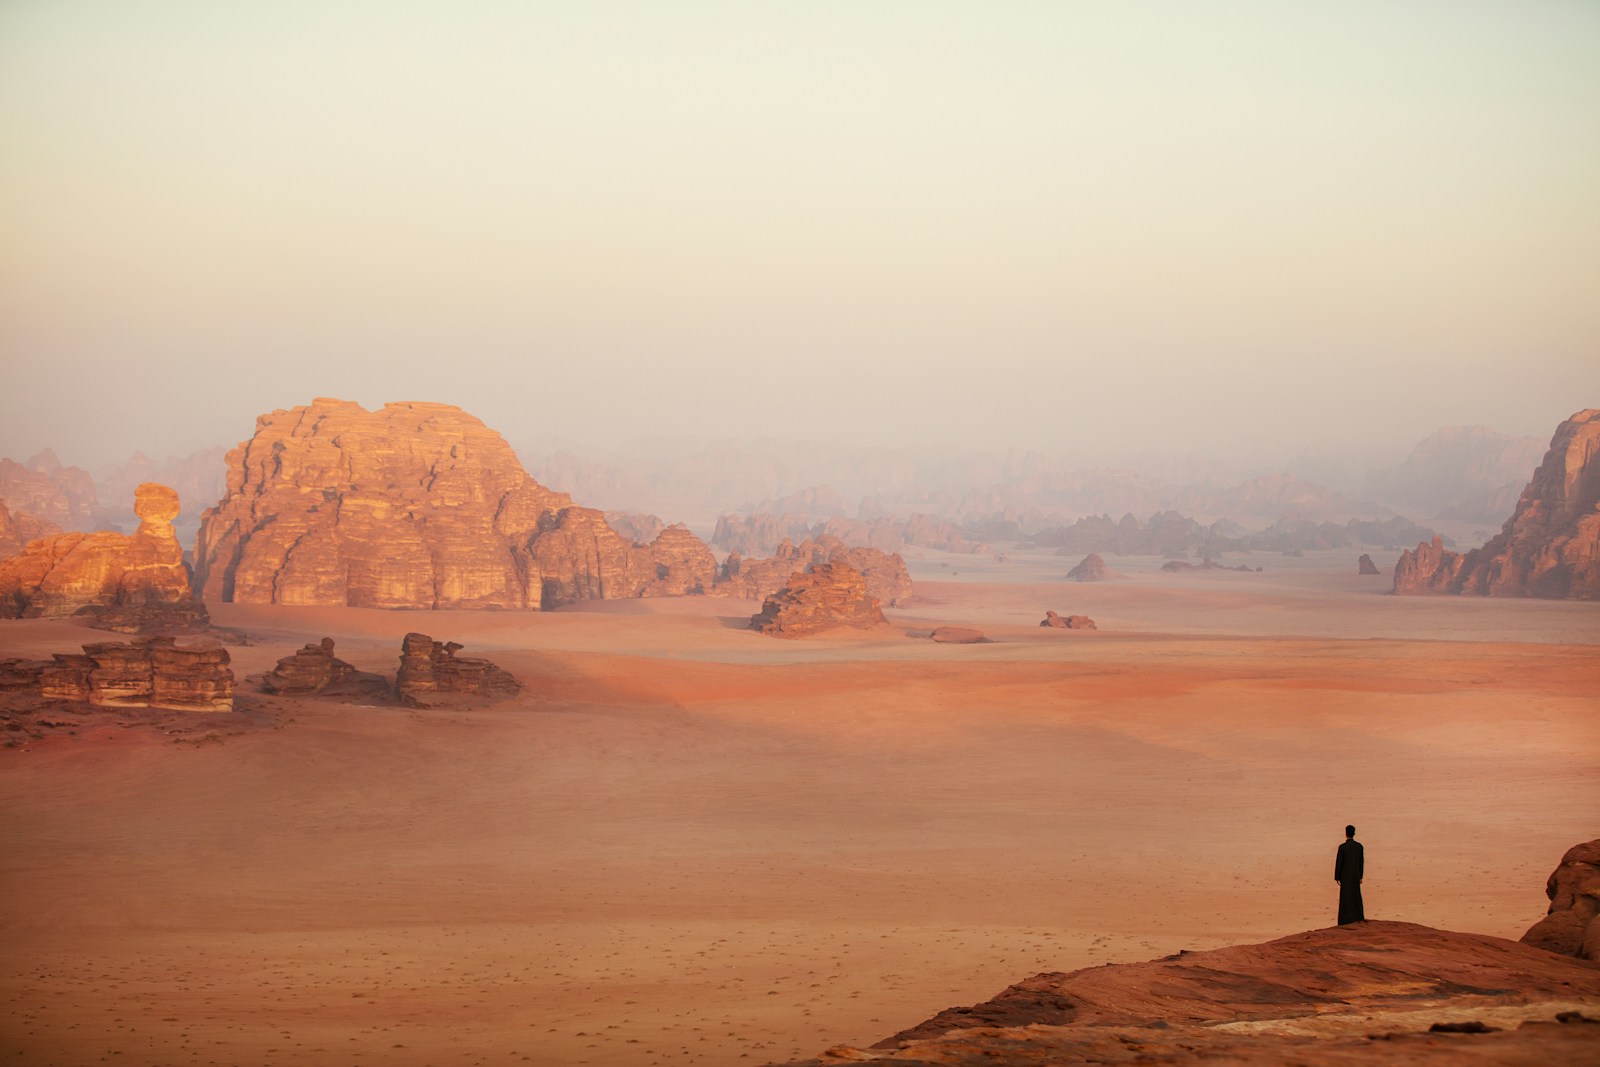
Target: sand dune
column 688, row 843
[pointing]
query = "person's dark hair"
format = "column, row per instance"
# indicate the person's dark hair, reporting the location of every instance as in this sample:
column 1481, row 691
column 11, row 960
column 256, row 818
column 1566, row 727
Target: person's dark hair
column 1349, row 831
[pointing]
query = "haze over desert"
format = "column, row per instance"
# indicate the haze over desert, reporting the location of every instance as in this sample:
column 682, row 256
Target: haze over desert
column 799, row 534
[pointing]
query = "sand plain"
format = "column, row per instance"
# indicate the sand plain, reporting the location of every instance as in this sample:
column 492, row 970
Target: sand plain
column 687, row 843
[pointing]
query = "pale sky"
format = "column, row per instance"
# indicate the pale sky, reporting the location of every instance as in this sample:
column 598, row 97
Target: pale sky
column 1208, row 227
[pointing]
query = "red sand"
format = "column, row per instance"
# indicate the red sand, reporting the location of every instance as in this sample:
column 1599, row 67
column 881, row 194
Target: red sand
column 688, row 843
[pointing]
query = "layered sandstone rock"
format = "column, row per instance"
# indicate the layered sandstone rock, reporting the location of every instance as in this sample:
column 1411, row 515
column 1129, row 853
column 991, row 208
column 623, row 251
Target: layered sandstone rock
column 127, row 583
column 1067, row 622
column 1364, row 565
column 828, row 596
column 755, row 579
column 682, row 564
column 1092, row 569
column 316, row 671
column 1572, row 926
column 18, row 528
column 53, row 493
column 431, row 673
column 415, row 505
column 1550, row 547
column 151, row 672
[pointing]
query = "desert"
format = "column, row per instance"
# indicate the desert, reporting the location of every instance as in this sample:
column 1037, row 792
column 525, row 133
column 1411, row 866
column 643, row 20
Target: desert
column 686, row 842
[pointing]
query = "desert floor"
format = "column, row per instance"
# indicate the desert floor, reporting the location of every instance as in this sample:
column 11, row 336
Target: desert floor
column 688, row 843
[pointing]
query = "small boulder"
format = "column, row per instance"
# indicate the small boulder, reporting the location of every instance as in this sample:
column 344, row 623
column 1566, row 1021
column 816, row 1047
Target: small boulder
column 958, row 635
column 1067, row 622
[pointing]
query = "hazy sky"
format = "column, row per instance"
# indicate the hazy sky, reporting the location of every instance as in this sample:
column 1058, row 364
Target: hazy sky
column 1165, row 226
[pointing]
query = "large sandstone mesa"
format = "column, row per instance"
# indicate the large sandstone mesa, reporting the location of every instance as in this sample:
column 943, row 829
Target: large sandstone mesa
column 1572, row 926
column 151, row 672
column 415, row 505
column 755, row 579
column 827, row 597
column 19, row 528
column 1550, row 547
column 431, row 672
column 118, row 582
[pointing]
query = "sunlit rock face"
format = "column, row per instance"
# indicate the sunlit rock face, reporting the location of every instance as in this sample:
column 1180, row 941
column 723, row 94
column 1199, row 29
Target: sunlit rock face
column 124, row 582
column 827, row 597
column 1550, row 547
column 415, row 505
column 149, row 672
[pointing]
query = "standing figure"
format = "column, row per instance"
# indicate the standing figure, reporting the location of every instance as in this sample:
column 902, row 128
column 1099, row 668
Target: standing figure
column 1347, row 869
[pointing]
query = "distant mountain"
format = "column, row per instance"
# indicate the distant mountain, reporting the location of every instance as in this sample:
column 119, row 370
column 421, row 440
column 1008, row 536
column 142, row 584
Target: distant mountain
column 1464, row 470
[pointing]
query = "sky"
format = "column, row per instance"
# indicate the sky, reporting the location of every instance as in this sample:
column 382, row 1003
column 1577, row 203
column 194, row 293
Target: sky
column 1231, row 228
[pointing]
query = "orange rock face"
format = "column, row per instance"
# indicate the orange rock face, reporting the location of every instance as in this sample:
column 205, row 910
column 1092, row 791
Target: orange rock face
column 414, row 505
column 1572, row 926
column 1550, row 547
column 49, row 491
column 151, row 672
column 828, row 596
column 127, row 583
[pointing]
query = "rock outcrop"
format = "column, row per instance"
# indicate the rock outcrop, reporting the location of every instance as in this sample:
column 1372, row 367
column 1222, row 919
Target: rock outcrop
column 150, row 672
column 131, row 584
column 682, row 564
column 19, row 528
column 885, row 573
column 826, row 597
column 414, row 505
column 1324, row 996
column 1092, row 569
column 316, row 671
column 1550, row 547
column 958, row 635
column 431, row 673
column 1572, row 926
column 1364, row 565
column 49, row 491
column 1067, row 622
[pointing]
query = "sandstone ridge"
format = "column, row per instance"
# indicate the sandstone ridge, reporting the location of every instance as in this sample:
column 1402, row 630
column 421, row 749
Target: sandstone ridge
column 1550, row 547
column 149, row 672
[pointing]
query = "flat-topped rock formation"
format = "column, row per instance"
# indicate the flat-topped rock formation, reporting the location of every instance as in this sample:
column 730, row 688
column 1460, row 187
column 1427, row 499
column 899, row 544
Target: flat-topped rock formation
column 755, row 579
column 1316, row 997
column 129, row 583
column 415, row 505
column 827, row 597
column 1572, row 926
column 315, row 671
column 431, row 673
column 1550, row 547
column 148, row 672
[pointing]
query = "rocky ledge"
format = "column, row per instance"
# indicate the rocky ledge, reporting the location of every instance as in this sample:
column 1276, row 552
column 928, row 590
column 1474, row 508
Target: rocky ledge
column 1366, row 993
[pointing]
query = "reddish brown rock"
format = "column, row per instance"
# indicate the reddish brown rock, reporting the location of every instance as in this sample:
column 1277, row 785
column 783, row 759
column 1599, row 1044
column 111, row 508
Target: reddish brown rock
column 579, row 557
column 958, row 635
column 131, row 584
column 1572, row 926
column 1364, row 565
column 151, row 672
column 1067, row 622
column 63, row 496
column 1092, row 569
column 18, row 529
column 1550, row 547
column 682, row 564
column 1365, row 993
column 885, row 573
column 315, row 670
column 431, row 674
column 827, row 597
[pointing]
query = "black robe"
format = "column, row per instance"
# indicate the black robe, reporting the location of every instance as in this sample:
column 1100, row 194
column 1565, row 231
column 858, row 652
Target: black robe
column 1347, row 869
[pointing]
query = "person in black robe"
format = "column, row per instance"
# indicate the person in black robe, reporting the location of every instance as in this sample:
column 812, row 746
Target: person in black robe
column 1348, row 866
